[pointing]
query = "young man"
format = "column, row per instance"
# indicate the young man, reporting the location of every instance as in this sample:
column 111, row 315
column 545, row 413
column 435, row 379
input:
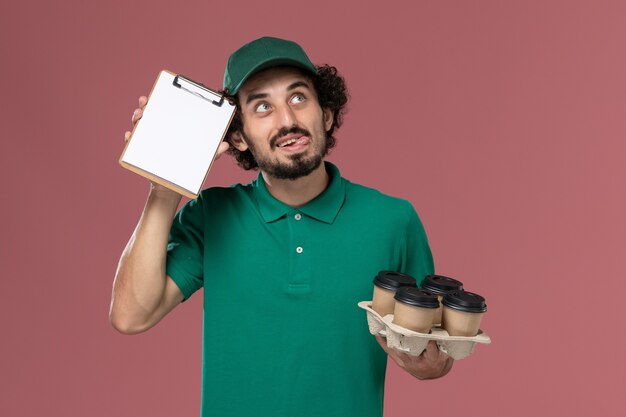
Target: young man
column 282, row 261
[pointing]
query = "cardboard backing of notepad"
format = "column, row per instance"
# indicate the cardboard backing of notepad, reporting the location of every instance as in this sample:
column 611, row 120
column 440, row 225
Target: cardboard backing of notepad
column 413, row 343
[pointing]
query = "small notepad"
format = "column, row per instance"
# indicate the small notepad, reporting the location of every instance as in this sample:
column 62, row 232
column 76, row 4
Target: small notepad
column 175, row 141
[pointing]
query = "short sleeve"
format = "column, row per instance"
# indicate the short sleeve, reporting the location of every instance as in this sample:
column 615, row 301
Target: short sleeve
column 417, row 258
column 185, row 248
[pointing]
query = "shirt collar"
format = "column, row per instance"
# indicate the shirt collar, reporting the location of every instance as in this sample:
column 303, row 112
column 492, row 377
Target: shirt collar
column 324, row 207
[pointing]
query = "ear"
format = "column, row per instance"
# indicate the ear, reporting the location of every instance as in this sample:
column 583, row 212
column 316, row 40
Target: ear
column 236, row 139
column 328, row 118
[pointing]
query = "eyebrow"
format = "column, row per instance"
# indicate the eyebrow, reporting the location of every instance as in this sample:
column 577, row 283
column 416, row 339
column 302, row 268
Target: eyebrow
column 291, row 86
column 297, row 84
column 253, row 97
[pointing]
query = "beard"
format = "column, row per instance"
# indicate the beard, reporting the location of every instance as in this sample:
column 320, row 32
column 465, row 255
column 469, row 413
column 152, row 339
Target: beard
column 300, row 164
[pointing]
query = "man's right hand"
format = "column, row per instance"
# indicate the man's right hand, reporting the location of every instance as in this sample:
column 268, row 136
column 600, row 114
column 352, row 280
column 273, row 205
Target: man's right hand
column 137, row 114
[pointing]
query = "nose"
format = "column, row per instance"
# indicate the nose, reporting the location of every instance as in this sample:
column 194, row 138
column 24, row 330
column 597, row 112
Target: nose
column 287, row 117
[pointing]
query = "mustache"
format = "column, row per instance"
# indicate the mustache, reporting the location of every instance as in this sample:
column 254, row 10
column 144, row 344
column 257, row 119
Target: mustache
column 284, row 131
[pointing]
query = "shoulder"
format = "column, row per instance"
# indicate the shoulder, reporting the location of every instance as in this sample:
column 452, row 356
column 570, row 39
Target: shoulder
column 386, row 217
column 231, row 192
column 219, row 198
column 375, row 200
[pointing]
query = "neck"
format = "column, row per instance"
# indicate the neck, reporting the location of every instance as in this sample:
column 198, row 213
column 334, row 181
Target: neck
column 296, row 193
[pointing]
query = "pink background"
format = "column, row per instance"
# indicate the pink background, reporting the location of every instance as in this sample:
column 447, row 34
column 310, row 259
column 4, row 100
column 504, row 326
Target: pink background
column 503, row 123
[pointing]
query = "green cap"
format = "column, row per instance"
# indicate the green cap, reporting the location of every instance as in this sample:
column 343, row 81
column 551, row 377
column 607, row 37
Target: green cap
column 260, row 54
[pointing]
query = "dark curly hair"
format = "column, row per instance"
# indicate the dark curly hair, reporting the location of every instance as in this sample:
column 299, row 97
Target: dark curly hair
column 331, row 93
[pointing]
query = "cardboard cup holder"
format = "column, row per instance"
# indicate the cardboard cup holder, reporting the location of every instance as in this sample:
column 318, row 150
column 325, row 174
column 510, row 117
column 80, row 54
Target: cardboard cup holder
column 414, row 343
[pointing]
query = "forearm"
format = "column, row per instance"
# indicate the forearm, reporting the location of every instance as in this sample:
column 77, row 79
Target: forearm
column 140, row 280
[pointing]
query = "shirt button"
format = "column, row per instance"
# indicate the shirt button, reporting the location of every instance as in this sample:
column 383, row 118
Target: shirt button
column 298, row 216
column 299, row 249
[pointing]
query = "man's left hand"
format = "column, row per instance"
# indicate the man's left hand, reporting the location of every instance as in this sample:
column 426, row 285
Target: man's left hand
column 430, row 364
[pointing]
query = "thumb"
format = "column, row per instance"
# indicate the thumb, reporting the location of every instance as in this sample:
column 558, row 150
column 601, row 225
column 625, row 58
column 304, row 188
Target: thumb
column 432, row 350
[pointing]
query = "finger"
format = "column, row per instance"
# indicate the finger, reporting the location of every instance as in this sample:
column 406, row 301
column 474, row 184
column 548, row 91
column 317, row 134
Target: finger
column 143, row 100
column 448, row 366
column 222, row 149
column 432, row 351
column 136, row 116
column 382, row 341
column 405, row 357
column 396, row 356
column 126, row 136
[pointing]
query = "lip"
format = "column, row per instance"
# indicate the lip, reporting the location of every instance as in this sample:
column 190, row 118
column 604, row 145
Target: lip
column 287, row 138
column 300, row 145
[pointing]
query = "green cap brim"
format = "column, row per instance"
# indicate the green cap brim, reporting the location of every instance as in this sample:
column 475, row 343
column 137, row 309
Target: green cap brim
column 270, row 63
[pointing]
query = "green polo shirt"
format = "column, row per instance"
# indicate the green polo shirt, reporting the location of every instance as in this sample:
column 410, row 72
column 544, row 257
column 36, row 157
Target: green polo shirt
column 283, row 335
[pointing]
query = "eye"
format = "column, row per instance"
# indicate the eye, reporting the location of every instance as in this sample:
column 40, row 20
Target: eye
column 297, row 98
column 262, row 108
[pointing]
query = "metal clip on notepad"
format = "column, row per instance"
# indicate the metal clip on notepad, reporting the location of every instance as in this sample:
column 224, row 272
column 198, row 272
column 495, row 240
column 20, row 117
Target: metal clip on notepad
column 198, row 89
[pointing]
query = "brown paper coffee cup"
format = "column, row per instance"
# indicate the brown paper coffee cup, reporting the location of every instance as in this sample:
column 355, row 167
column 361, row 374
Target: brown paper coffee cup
column 438, row 313
column 418, row 319
column 382, row 301
column 415, row 309
column 386, row 283
column 461, row 323
column 462, row 313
